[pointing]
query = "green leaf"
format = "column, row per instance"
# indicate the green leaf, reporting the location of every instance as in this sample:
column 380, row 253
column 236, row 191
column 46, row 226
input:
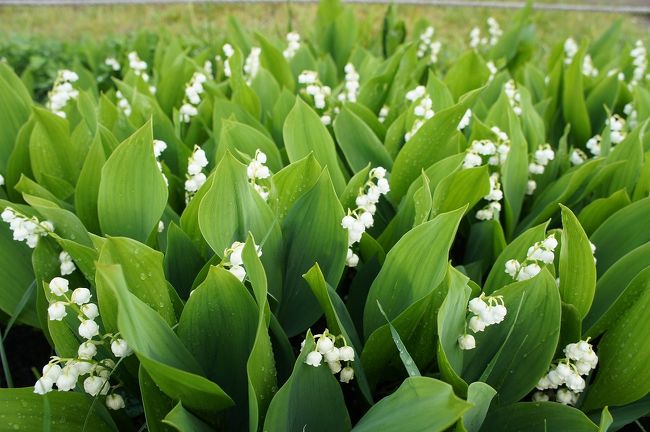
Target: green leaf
column 15, row 108
column 155, row 403
column 218, row 309
column 262, row 375
column 86, row 193
column 312, row 233
column 621, row 233
column 142, row 268
column 577, row 266
column 622, row 375
column 537, row 417
column 359, row 143
column 174, row 370
column 598, row 211
column 57, row 411
column 273, row 60
column 430, row 243
column 302, row 400
column 512, row 356
column 292, row 182
column 338, row 320
column 240, row 138
column 434, row 141
column 481, row 395
column 467, row 73
column 184, row 421
column 411, row 406
column 231, row 208
column 131, row 177
column 304, row 133
column 573, row 101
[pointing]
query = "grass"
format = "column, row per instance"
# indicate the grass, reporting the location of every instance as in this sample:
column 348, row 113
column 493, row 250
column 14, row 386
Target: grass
column 71, row 23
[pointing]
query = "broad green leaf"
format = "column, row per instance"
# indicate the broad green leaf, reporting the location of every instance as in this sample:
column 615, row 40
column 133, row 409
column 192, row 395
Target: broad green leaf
column 305, row 397
column 313, row 234
column 434, row 141
column 231, row 208
column 481, row 395
column 411, row 407
column 291, row 183
column 218, row 309
column 304, row 134
column 338, row 321
column 574, row 107
column 359, row 143
column 598, row 211
column 513, row 355
column 577, row 266
column 184, row 421
column 142, row 268
column 155, row 403
column 467, row 73
column 174, row 370
column 537, row 417
column 130, row 177
column 622, row 375
column 621, row 233
column 15, row 109
column 262, row 374
column 22, row 409
column 427, row 243
column 86, row 193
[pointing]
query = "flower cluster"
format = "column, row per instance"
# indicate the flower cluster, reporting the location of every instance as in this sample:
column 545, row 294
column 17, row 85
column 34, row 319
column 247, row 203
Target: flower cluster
column 293, row 45
column 257, row 170
column 66, row 264
column 577, row 157
column 514, row 97
column 570, row 50
column 252, row 64
column 233, row 262
column 98, row 371
column 159, row 147
column 588, row 68
column 493, row 70
column 25, row 228
column 632, row 115
column 318, row 92
column 580, row 361
column 617, row 132
column 539, row 252
column 327, row 350
column 62, row 91
column 493, row 208
column 383, row 113
column 193, row 91
column 351, row 89
column 542, row 156
column 495, row 152
column 195, row 178
column 593, row 145
column 228, row 51
column 422, row 110
column 494, row 31
column 428, row 45
column 112, row 63
column 485, row 311
column 123, row 103
column 138, row 66
column 639, row 56
column 358, row 220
